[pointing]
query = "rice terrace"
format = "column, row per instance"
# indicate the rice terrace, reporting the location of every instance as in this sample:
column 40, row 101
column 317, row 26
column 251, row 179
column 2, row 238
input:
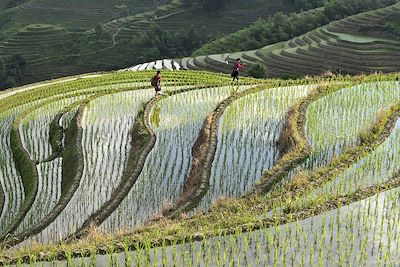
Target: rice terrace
column 296, row 162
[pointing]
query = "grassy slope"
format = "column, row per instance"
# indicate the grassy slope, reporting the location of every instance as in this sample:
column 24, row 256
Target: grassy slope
column 392, row 26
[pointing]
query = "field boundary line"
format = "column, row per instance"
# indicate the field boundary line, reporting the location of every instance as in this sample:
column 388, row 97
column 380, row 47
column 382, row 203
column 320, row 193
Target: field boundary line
column 292, row 140
column 120, row 245
column 309, row 181
column 374, row 137
column 203, row 153
column 26, row 168
column 144, row 140
column 67, row 191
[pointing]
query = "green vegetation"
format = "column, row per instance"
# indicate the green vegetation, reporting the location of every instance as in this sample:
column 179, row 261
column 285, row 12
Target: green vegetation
column 293, row 169
column 59, row 39
column 281, row 27
column 73, row 154
column 124, row 34
column 11, row 71
column 341, row 47
column 390, row 26
column 393, row 24
column 117, row 142
column 258, row 71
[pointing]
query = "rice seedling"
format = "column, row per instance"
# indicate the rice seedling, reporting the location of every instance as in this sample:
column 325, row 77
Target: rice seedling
column 350, row 218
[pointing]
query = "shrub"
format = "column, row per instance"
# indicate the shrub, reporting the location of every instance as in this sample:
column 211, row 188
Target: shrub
column 258, row 71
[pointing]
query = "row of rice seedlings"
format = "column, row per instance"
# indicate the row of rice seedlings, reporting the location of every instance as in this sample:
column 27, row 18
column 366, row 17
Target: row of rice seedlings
column 9, row 177
column 247, row 141
column 65, row 80
column 35, row 138
column 35, row 131
column 364, row 233
column 40, row 91
column 49, row 192
column 29, row 87
column 10, row 180
column 376, row 167
column 177, row 121
column 106, row 144
column 66, row 119
column 343, row 115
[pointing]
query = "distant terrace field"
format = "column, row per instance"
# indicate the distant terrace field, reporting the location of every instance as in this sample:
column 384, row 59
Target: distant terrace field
column 339, row 47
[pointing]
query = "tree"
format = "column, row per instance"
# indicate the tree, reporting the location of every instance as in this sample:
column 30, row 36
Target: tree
column 258, row 71
column 2, row 70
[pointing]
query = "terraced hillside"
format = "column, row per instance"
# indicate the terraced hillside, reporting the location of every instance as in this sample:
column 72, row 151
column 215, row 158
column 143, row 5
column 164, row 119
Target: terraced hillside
column 46, row 39
column 72, row 14
column 236, row 15
column 208, row 173
column 32, row 40
column 50, row 34
column 61, row 38
column 349, row 46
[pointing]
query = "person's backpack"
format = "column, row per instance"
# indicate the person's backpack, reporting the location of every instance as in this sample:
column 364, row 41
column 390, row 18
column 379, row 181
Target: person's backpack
column 153, row 81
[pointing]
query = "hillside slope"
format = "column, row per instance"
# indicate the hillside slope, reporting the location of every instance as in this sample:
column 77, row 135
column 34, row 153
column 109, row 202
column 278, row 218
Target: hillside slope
column 349, row 46
column 74, row 14
column 236, row 15
column 60, row 38
column 45, row 39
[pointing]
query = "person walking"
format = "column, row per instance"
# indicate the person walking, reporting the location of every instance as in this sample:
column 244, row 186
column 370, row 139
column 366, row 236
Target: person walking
column 156, row 83
column 236, row 68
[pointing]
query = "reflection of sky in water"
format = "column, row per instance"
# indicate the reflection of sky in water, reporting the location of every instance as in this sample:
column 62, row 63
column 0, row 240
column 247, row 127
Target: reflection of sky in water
column 378, row 166
column 248, row 131
column 364, row 233
column 167, row 165
column 105, row 143
column 174, row 109
column 343, row 115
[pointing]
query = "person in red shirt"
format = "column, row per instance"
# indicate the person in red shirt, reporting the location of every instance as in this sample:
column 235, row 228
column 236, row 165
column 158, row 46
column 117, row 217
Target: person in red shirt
column 236, row 68
column 156, row 82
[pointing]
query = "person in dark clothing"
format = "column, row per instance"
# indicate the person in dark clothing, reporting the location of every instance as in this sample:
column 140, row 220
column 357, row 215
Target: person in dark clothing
column 156, row 82
column 236, row 68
